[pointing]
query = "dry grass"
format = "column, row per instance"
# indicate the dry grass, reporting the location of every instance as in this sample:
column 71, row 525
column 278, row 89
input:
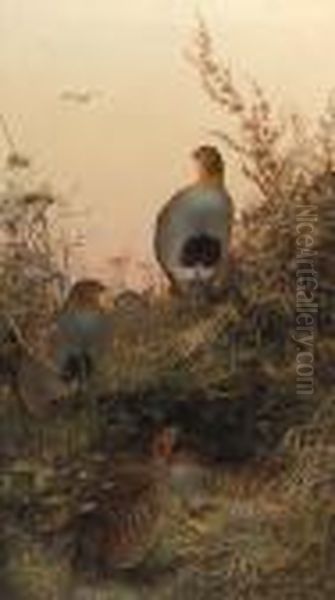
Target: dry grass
column 226, row 376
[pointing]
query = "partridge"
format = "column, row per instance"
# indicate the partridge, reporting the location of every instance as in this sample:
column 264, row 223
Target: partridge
column 79, row 331
column 120, row 525
column 193, row 230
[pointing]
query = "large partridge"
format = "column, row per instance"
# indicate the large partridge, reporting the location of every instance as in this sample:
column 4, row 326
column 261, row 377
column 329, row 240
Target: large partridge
column 193, row 230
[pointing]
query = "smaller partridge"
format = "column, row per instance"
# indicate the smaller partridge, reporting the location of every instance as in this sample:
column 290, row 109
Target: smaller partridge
column 79, row 331
column 121, row 523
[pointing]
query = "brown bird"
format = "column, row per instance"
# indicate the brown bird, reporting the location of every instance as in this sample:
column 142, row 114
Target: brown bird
column 121, row 523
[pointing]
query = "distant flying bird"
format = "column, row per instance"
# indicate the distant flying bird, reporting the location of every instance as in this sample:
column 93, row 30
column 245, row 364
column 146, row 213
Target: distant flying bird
column 83, row 97
column 18, row 161
column 36, row 385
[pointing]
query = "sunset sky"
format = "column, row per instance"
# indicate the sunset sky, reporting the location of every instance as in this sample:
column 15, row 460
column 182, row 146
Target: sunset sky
column 120, row 157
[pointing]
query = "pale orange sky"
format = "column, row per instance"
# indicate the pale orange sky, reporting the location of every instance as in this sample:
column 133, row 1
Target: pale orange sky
column 122, row 156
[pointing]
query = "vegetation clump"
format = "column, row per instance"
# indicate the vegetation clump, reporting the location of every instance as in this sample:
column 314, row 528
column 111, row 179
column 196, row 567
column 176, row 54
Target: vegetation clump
column 223, row 375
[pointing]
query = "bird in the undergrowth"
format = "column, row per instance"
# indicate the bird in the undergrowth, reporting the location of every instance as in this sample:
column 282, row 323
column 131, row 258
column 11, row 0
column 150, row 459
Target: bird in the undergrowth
column 80, row 329
column 121, row 520
column 131, row 315
column 193, row 229
column 34, row 381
